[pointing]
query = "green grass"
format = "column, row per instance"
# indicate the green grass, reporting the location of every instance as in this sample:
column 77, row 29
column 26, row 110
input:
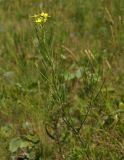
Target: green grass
column 62, row 82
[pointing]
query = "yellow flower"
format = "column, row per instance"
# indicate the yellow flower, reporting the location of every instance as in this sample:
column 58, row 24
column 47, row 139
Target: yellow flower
column 45, row 15
column 41, row 18
column 38, row 20
column 42, row 14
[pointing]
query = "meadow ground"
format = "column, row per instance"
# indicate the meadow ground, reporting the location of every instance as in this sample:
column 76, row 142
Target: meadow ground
column 62, row 83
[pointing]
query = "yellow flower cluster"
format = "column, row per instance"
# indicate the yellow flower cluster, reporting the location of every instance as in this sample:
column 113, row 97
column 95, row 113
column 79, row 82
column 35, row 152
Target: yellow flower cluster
column 41, row 18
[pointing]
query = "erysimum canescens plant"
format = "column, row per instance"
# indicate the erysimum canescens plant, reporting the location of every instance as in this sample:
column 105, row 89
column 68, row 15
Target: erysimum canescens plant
column 41, row 18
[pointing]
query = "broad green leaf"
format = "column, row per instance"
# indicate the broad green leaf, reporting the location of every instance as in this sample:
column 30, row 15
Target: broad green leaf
column 32, row 138
column 14, row 144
